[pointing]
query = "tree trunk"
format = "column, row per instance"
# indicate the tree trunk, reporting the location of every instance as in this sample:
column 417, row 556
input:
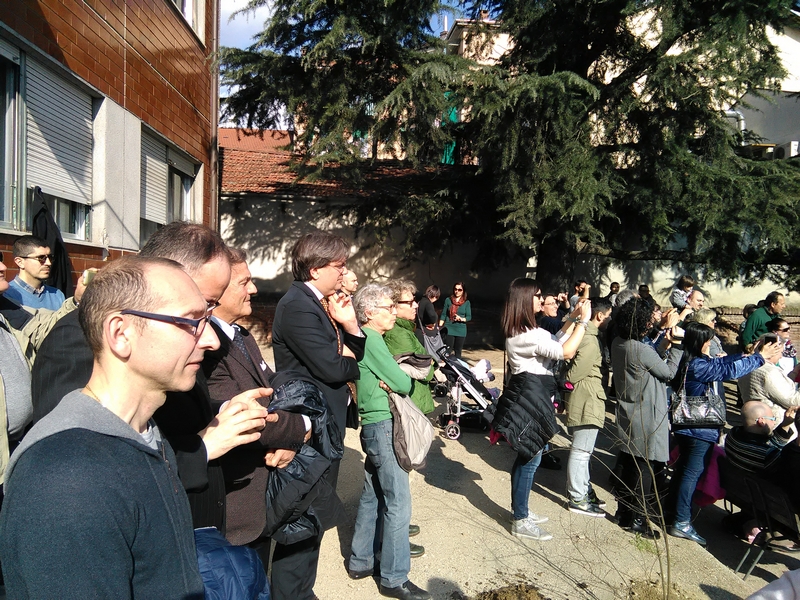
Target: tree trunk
column 555, row 263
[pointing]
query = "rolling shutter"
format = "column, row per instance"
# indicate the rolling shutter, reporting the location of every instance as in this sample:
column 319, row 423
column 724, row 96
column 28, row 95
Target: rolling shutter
column 155, row 180
column 59, row 135
column 181, row 163
column 8, row 51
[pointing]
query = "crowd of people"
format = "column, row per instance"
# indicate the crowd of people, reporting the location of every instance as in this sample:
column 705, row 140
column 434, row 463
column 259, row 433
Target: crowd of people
column 567, row 346
column 150, row 413
column 140, row 415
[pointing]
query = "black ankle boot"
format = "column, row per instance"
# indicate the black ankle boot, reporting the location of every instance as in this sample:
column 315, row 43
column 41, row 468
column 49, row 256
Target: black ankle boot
column 623, row 517
column 640, row 525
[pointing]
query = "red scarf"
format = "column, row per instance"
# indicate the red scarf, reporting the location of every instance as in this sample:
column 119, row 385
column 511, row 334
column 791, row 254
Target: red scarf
column 454, row 304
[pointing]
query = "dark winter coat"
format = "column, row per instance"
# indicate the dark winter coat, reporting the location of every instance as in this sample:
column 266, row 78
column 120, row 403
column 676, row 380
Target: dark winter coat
column 300, row 499
column 44, row 226
column 525, row 415
column 229, row 572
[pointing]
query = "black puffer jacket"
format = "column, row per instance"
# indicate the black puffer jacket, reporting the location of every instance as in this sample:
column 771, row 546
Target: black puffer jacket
column 525, row 415
column 300, row 499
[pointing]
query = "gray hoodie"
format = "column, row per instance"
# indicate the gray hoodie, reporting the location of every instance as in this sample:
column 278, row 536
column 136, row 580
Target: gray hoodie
column 91, row 511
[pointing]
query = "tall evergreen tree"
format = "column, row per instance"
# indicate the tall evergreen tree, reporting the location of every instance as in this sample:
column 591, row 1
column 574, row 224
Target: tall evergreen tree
column 601, row 131
column 611, row 137
column 329, row 63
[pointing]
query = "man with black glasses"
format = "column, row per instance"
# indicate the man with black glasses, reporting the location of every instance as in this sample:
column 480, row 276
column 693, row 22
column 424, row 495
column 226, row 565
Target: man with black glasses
column 198, row 436
column 34, row 260
column 94, row 507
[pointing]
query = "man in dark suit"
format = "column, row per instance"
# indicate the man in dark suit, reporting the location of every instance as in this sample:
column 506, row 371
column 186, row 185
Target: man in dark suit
column 237, row 366
column 327, row 345
column 196, row 434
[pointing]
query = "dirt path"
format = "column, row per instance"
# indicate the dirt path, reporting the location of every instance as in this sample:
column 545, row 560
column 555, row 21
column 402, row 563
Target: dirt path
column 462, row 501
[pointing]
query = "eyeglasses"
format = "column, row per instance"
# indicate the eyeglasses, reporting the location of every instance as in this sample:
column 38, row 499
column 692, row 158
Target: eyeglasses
column 784, row 330
column 458, row 289
column 197, row 325
column 389, row 308
column 42, row 258
column 550, row 302
column 770, row 418
column 340, row 268
column 407, row 302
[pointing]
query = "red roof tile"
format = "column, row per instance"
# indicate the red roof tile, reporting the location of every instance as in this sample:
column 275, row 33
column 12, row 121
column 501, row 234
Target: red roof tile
column 245, row 171
column 249, row 139
column 256, row 165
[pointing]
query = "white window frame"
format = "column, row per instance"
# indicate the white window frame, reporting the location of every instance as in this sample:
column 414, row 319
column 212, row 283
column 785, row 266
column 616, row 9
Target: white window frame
column 194, row 12
column 168, row 178
column 57, row 207
column 10, row 63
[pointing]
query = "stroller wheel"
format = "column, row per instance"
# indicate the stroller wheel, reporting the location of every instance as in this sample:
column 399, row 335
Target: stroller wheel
column 452, row 431
column 440, row 390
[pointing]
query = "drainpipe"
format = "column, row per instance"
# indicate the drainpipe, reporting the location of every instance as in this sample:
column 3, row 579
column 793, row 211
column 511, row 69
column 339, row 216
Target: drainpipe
column 736, row 114
column 214, row 175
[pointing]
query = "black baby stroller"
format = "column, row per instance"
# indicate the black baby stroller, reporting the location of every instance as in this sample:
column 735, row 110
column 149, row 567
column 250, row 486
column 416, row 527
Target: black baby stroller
column 467, row 383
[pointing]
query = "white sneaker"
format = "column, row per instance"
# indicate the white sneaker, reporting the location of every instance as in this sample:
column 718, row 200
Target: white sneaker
column 533, row 518
column 526, row 528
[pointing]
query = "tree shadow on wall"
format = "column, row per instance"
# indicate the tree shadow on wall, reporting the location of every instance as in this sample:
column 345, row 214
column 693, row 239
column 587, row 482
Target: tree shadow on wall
column 267, row 227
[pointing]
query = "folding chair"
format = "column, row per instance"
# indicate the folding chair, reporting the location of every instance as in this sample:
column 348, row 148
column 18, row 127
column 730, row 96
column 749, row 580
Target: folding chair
column 775, row 516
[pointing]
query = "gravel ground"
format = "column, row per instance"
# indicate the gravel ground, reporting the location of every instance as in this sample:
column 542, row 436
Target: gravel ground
column 462, row 504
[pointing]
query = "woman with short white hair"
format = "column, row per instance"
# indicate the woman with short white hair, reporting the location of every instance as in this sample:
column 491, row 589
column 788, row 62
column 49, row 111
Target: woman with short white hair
column 386, row 494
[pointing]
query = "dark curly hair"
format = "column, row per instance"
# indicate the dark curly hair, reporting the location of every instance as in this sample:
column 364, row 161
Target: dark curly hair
column 633, row 319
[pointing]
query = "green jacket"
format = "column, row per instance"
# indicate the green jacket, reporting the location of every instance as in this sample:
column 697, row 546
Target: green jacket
column 401, row 339
column 376, row 366
column 456, row 329
column 586, row 405
column 756, row 325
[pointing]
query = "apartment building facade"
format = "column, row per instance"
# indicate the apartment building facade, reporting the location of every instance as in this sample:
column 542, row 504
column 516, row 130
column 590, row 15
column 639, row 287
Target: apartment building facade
column 110, row 108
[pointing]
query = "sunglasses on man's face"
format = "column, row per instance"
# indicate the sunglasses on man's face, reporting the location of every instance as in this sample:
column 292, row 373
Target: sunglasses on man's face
column 42, row 258
column 784, row 330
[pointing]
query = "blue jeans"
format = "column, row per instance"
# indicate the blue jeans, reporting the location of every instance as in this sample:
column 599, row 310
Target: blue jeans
column 521, row 481
column 384, row 511
column 695, row 455
column 583, row 441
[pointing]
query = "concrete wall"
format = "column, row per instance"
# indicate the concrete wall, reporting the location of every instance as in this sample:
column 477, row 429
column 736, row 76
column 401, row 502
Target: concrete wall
column 788, row 46
column 661, row 281
column 267, row 229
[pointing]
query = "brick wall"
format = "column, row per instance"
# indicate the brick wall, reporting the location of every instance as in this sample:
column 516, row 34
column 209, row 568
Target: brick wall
column 82, row 257
column 140, row 53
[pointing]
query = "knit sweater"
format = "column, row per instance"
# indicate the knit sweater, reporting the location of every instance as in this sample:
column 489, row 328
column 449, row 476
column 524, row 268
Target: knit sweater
column 459, row 328
column 400, row 339
column 755, row 452
column 756, row 325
